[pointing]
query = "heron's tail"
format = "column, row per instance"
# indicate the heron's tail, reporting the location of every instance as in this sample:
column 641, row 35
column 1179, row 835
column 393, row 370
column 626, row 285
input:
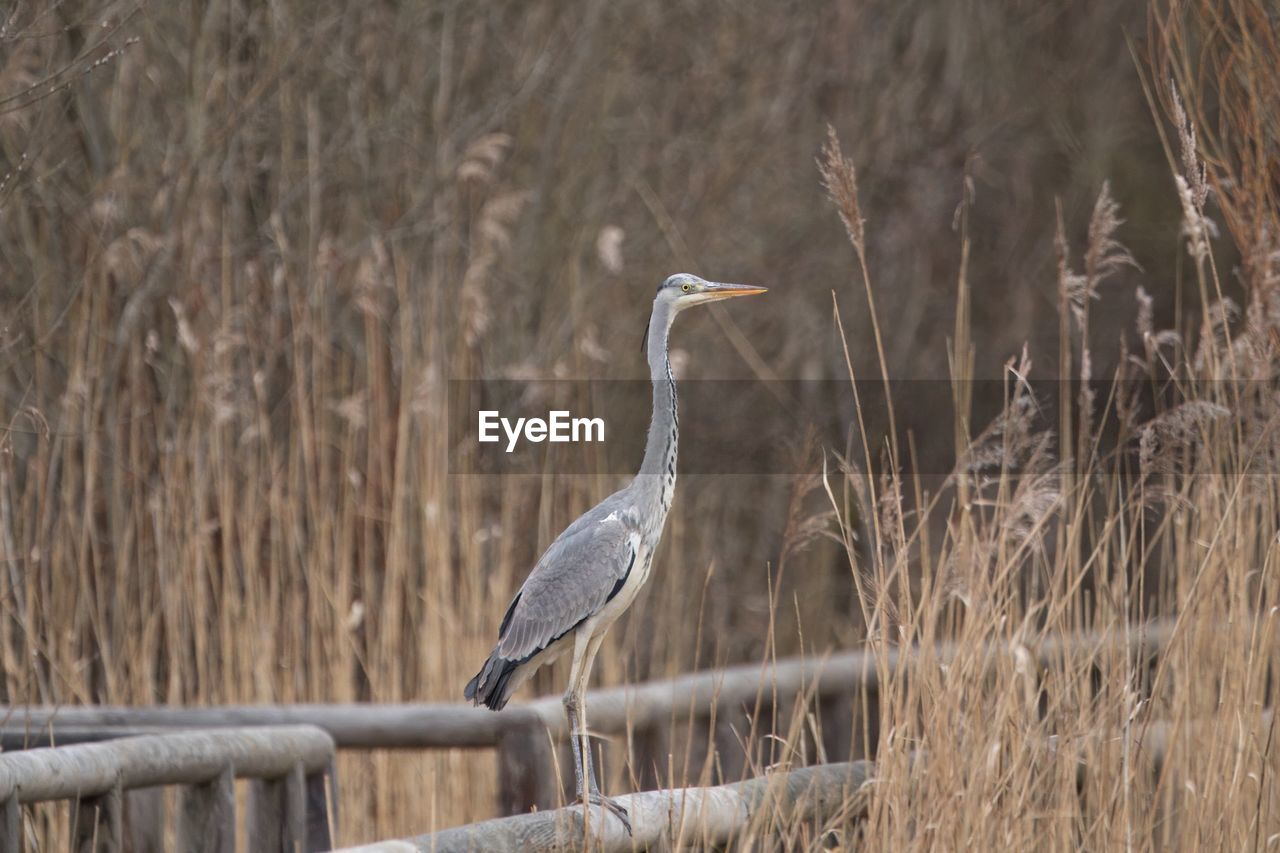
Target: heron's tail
column 492, row 685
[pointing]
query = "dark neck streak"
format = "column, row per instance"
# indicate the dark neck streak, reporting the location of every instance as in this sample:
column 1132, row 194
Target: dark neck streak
column 664, row 427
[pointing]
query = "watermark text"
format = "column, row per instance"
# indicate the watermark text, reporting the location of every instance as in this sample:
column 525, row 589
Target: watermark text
column 559, row 426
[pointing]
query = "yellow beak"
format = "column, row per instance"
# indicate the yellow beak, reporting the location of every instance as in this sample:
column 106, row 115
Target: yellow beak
column 717, row 291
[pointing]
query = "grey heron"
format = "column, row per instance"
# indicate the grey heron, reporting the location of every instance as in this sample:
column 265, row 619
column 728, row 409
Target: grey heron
column 594, row 569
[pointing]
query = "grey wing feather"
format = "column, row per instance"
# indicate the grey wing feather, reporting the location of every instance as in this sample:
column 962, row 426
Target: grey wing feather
column 582, row 569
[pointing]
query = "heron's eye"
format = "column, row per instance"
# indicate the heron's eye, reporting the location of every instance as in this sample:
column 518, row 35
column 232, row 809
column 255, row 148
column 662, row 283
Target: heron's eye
column 686, row 288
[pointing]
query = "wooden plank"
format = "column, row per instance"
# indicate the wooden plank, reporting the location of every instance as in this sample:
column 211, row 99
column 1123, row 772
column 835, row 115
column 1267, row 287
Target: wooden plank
column 11, row 825
column 692, row 817
column 711, row 817
column 731, row 730
column 651, row 751
column 266, row 816
column 526, row 772
column 278, row 813
column 835, row 720
column 293, row 826
column 91, row 769
column 207, row 815
column 97, row 824
column 866, row 724
column 144, row 820
column 322, row 808
column 13, row 738
column 610, row 711
column 353, row 725
column 690, row 743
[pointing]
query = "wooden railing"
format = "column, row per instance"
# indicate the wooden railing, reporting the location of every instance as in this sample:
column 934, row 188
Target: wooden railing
column 290, row 765
column 714, row 816
column 686, row 818
column 526, row 735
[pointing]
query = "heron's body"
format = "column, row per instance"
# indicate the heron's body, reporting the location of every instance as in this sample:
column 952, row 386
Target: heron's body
column 594, row 570
column 559, row 602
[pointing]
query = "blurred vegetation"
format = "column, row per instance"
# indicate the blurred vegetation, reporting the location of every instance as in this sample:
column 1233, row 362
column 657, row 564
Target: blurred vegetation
column 243, row 247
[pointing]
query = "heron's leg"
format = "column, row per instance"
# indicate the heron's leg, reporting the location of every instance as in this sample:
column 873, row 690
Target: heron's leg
column 584, row 652
column 573, row 710
column 592, row 794
column 592, row 648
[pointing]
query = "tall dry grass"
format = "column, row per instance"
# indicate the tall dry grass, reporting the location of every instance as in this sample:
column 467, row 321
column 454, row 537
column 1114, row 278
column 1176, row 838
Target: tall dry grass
column 243, row 247
column 1044, row 529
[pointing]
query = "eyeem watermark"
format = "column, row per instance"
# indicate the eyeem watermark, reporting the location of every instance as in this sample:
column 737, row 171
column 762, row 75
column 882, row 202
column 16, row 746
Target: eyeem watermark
column 732, row 427
column 559, row 427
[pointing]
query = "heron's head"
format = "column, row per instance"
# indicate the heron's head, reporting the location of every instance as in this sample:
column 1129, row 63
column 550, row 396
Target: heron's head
column 683, row 290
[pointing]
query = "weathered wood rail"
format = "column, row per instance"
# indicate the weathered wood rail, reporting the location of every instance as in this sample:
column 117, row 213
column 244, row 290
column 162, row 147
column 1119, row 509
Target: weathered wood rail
column 289, row 809
column 612, row 710
column 682, row 817
column 524, row 734
column 712, row 816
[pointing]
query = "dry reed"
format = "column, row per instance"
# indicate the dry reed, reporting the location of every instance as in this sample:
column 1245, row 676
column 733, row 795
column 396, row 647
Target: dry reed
column 244, row 247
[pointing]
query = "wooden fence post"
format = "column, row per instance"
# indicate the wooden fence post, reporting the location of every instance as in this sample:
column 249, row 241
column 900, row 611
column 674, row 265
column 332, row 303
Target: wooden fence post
column 731, row 730
column 277, row 813
column 836, row 717
column 652, row 752
column 321, row 792
column 97, row 823
column 144, row 820
column 526, row 772
column 294, row 826
column 11, row 824
column 207, row 815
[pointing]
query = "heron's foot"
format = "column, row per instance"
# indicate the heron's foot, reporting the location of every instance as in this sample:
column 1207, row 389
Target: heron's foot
column 596, row 798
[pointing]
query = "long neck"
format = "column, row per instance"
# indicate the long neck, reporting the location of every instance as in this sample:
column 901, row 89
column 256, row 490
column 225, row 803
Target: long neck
column 664, row 427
